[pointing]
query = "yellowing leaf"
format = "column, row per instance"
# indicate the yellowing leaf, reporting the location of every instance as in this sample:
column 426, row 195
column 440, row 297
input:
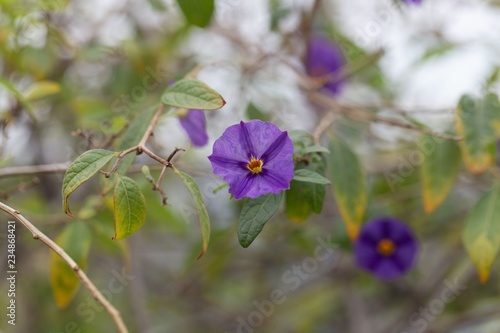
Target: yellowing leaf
column 41, row 89
column 441, row 163
column 75, row 240
column 129, row 207
column 482, row 232
column 349, row 185
column 476, row 122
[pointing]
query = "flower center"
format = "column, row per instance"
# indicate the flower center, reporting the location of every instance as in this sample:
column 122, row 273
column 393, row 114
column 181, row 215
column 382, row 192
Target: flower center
column 255, row 165
column 386, row 247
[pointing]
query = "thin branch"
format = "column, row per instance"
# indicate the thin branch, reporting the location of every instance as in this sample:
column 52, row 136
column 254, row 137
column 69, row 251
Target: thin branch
column 34, row 169
column 361, row 114
column 37, row 234
column 55, row 169
column 119, row 158
column 151, row 126
column 322, row 126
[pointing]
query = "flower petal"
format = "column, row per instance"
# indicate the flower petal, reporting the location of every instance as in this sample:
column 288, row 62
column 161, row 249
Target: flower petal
column 277, row 180
column 243, row 187
column 227, row 163
column 246, row 141
column 387, row 269
column 194, row 124
column 229, row 145
column 323, row 58
column 275, row 148
column 234, row 149
column 390, row 266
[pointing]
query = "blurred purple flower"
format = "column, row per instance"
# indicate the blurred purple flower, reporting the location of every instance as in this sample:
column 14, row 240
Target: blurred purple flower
column 193, row 122
column 254, row 158
column 324, row 58
column 413, row 2
column 386, row 247
column 498, row 152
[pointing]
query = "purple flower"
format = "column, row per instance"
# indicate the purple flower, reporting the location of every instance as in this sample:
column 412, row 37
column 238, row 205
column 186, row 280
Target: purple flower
column 498, row 152
column 325, row 58
column 386, row 247
column 412, row 2
column 254, row 158
column 193, row 122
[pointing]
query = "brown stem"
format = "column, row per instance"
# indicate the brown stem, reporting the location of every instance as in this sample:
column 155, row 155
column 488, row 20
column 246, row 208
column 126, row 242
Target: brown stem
column 361, row 114
column 37, row 234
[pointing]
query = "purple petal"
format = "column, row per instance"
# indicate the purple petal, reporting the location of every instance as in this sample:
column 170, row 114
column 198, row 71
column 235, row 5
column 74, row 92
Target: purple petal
column 253, row 186
column 246, row 141
column 279, row 180
column 245, row 187
column 391, row 266
column 412, row 2
column 276, row 147
column 232, row 153
column 323, row 58
column 387, row 270
column 194, row 124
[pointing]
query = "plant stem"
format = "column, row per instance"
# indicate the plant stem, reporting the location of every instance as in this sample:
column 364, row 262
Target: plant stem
column 37, row 234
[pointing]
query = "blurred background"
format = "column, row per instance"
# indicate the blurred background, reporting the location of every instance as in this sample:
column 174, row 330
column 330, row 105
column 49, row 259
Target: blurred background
column 74, row 73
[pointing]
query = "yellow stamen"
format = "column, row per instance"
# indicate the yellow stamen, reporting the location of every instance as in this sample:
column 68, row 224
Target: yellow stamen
column 255, row 165
column 386, row 247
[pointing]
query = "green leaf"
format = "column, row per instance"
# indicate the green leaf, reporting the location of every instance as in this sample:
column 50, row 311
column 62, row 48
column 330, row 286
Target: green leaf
column 349, row 185
column 41, row 89
column 200, row 209
column 129, row 207
column 20, row 98
column 136, row 129
column 132, row 136
column 482, row 233
column 84, row 167
column 253, row 112
column 309, row 176
column 478, row 122
column 192, row 94
column 75, row 240
column 255, row 214
column 197, row 12
column 303, row 198
column 315, row 149
column 439, row 170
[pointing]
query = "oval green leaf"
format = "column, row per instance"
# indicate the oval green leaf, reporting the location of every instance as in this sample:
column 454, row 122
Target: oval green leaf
column 197, row 12
column 477, row 122
column 349, row 185
column 254, row 216
column 192, row 94
column 129, row 207
column 482, row 233
column 84, row 167
column 439, row 170
column 75, row 240
column 200, row 209
column 303, row 198
column 316, row 149
column 309, row 176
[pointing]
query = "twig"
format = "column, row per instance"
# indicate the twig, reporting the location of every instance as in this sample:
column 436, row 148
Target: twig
column 151, row 126
column 323, row 125
column 34, row 169
column 53, row 169
column 37, row 234
column 361, row 114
